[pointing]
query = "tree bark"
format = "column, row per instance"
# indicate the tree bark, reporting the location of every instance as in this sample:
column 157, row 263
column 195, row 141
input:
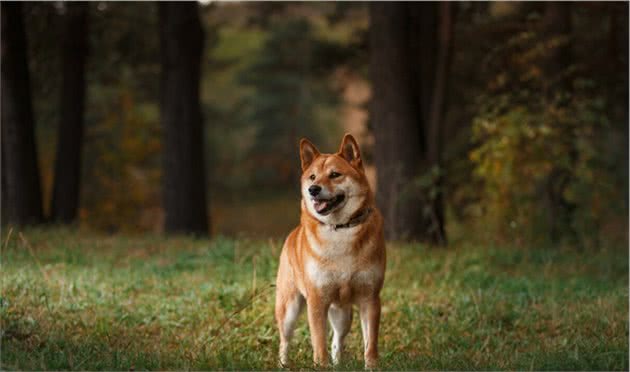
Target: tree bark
column 21, row 172
column 74, row 50
column 184, row 180
column 423, row 24
column 409, row 61
column 443, row 56
column 396, row 118
column 440, row 81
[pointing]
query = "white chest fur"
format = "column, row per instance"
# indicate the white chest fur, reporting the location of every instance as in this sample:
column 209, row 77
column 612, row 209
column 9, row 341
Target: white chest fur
column 332, row 244
column 338, row 265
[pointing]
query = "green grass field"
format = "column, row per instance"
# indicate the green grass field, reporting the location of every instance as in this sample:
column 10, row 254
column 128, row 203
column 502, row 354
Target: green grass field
column 73, row 300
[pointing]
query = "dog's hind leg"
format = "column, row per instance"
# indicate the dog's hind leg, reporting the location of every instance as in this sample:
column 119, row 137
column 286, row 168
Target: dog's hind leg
column 340, row 319
column 288, row 308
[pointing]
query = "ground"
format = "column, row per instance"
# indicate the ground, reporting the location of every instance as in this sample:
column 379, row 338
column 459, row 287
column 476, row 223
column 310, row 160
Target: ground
column 86, row 301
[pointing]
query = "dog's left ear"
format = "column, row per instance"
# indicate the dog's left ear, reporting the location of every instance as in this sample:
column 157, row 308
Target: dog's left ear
column 349, row 150
column 308, row 153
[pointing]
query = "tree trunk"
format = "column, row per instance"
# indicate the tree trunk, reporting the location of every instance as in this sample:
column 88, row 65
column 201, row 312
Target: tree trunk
column 396, row 119
column 21, row 172
column 409, row 60
column 184, row 181
column 74, row 49
column 440, row 79
column 435, row 116
column 423, row 24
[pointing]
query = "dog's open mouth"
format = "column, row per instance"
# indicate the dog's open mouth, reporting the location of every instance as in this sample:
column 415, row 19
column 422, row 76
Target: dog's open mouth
column 323, row 206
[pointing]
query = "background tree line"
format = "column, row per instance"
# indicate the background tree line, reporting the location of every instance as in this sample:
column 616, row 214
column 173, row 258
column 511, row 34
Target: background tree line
column 510, row 119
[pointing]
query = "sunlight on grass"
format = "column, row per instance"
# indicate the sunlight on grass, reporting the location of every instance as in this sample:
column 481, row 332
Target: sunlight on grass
column 81, row 301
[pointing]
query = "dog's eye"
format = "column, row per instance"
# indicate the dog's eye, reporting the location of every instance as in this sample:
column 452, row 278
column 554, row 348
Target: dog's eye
column 312, row 177
column 334, row 175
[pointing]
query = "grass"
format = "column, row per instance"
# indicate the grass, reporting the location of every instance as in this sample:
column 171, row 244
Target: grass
column 74, row 300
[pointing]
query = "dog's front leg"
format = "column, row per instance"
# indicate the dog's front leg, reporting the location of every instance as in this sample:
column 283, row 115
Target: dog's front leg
column 317, row 312
column 370, row 311
column 341, row 320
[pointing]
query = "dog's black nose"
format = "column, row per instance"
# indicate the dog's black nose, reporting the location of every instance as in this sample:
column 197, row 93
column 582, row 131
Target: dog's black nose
column 314, row 190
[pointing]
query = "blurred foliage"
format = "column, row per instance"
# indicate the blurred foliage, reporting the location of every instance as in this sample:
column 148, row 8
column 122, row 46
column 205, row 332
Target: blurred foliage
column 251, row 74
column 291, row 98
column 122, row 144
column 125, row 167
column 121, row 164
column 268, row 82
column 519, row 148
column 273, row 72
column 536, row 135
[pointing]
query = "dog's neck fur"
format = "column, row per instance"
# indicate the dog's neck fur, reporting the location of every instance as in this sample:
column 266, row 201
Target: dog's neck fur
column 356, row 219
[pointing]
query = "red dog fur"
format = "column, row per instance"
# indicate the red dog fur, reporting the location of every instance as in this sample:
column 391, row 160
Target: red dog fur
column 336, row 256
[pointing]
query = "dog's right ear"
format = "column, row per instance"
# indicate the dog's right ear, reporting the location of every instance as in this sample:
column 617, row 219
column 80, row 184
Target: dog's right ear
column 308, row 153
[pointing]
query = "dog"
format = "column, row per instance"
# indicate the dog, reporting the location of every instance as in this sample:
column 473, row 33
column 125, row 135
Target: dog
column 335, row 258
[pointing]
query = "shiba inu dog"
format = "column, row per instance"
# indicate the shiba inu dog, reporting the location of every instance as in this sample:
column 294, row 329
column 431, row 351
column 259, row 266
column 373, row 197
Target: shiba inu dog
column 335, row 258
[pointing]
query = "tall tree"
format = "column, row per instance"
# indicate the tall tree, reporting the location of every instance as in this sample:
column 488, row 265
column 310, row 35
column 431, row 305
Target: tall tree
column 73, row 50
column 20, row 173
column 395, row 119
column 184, row 181
column 436, row 62
column 409, row 85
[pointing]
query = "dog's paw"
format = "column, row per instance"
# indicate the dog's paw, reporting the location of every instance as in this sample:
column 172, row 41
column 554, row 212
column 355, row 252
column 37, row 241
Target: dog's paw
column 283, row 364
column 321, row 364
column 283, row 361
column 371, row 364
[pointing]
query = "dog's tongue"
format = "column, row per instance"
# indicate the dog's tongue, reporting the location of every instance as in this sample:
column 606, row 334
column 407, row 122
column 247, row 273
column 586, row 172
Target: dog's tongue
column 320, row 205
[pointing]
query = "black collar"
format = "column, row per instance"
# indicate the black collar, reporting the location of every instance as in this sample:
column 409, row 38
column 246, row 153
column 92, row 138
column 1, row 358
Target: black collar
column 355, row 220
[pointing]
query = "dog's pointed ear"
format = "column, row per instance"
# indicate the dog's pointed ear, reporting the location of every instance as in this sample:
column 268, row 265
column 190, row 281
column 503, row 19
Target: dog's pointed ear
column 349, row 150
column 308, row 153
